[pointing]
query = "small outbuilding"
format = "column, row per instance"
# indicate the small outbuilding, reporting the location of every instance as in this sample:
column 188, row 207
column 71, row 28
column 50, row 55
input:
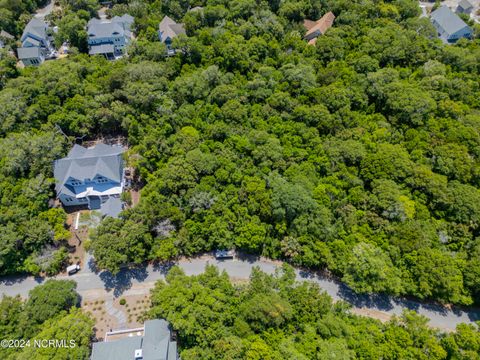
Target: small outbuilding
column 464, row 7
column 5, row 37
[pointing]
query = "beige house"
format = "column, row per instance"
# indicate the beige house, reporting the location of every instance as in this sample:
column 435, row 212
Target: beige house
column 318, row 28
column 168, row 29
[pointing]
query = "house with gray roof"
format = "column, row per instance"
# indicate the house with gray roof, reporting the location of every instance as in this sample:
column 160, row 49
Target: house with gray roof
column 92, row 177
column 168, row 29
column 449, row 26
column 125, row 20
column 464, row 7
column 5, row 37
column 36, row 43
column 152, row 342
column 109, row 38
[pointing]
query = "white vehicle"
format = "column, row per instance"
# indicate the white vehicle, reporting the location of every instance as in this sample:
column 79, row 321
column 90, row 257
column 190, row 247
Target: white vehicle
column 72, row 269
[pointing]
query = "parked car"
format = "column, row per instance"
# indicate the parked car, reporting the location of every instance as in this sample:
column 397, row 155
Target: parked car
column 224, row 254
column 72, row 269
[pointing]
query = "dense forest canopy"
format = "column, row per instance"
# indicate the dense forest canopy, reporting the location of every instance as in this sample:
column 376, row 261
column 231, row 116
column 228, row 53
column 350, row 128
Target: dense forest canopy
column 50, row 313
column 15, row 14
column 275, row 318
column 360, row 154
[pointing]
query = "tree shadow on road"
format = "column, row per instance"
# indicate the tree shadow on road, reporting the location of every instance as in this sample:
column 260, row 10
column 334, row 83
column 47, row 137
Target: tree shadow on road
column 18, row 279
column 305, row 274
column 12, row 280
column 163, row 267
column 122, row 281
column 474, row 315
column 92, row 265
column 374, row 301
column 250, row 258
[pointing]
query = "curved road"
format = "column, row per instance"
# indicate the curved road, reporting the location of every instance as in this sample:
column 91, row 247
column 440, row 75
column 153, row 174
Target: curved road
column 140, row 280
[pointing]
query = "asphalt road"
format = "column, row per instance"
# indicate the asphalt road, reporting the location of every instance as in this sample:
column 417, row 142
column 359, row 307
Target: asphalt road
column 42, row 12
column 89, row 281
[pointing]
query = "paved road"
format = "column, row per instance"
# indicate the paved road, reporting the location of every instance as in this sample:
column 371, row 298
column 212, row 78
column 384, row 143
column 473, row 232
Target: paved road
column 424, row 11
column 42, row 12
column 141, row 279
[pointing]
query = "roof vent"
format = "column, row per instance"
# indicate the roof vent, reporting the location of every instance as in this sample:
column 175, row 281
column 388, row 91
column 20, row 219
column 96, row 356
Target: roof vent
column 138, row 354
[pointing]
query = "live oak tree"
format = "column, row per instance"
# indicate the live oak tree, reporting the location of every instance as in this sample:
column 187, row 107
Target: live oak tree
column 50, row 298
column 50, row 313
column 74, row 329
column 275, row 317
column 251, row 138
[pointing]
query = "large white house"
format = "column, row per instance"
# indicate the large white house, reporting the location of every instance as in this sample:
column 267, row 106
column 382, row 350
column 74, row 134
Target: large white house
column 91, row 176
column 109, row 38
column 36, row 43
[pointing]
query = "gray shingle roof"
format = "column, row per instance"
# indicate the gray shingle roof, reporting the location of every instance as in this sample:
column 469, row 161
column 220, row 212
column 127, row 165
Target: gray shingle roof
column 126, row 20
column 101, row 49
column 94, row 21
column 117, row 350
column 465, row 5
column 36, row 27
column 105, row 30
column 112, row 207
column 156, row 340
column 447, row 20
column 119, row 24
column 155, row 345
column 6, row 35
column 82, row 163
column 29, row 53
